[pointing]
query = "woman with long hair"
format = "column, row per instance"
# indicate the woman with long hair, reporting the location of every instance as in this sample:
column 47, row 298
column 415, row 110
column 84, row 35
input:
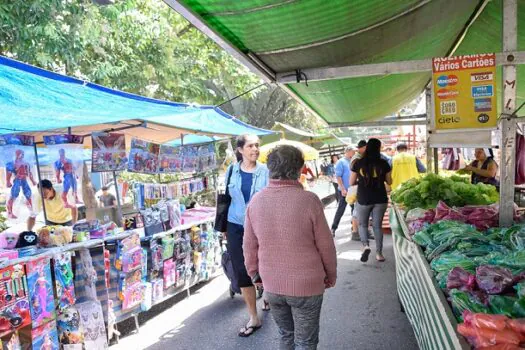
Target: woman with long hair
column 246, row 178
column 370, row 173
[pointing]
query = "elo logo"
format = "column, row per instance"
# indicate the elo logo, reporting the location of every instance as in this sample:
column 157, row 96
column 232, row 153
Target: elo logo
column 446, row 80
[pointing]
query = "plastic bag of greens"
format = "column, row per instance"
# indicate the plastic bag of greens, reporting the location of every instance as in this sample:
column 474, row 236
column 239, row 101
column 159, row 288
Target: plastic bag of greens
column 502, row 305
column 420, row 214
column 520, row 289
column 462, row 301
column 493, row 279
column 514, row 261
column 448, row 245
column 447, row 261
column 518, row 310
column 461, row 279
column 441, row 279
column 423, row 238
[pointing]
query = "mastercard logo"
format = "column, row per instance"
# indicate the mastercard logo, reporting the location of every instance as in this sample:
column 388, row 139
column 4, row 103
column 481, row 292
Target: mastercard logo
column 446, row 94
column 447, row 80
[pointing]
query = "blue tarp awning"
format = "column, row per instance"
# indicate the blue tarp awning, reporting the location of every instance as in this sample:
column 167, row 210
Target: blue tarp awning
column 36, row 101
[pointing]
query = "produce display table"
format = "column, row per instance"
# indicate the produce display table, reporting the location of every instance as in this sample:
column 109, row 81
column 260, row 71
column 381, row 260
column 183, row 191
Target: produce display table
column 424, row 303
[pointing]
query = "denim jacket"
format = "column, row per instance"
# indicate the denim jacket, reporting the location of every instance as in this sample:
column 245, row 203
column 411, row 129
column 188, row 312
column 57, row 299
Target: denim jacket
column 237, row 209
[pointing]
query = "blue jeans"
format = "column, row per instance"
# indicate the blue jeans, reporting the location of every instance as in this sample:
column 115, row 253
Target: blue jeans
column 297, row 319
column 363, row 213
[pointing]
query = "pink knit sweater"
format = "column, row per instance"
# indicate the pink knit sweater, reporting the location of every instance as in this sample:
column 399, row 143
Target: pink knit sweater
column 287, row 239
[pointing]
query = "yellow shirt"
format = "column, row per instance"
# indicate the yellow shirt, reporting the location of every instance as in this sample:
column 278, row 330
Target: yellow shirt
column 55, row 210
column 404, row 168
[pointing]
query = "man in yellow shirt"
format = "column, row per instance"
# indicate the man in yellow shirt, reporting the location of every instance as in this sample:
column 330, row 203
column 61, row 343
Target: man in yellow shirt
column 405, row 166
column 56, row 212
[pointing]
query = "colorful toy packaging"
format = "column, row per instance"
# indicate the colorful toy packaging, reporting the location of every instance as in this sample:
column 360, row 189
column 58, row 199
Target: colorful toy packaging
column 157, row 289
column 168, row 246
column 41, row 299
column 45, row 337
column 14, row 302
column 170, row 273
column 127, row 280
column 11, row 342
column 148, row 297
column 6, row 255
column 129, row 254
column 69, row 329
column 92, row 321
column 133, row 296
column 65, row 287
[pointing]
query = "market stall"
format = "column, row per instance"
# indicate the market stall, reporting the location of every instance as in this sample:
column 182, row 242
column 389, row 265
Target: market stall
column 70, row 283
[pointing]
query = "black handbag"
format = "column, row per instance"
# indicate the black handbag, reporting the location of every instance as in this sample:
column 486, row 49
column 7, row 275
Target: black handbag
column 223, row 204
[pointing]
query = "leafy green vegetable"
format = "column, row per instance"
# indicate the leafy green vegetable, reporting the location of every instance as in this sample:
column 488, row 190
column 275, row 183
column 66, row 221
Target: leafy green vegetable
column 425, row 192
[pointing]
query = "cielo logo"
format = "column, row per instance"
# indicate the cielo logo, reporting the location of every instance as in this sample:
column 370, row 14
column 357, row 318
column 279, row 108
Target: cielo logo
column 446, row 80
column 446, row 94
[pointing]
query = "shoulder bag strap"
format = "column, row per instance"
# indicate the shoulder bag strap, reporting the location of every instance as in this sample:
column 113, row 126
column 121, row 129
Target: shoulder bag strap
column 228, row 181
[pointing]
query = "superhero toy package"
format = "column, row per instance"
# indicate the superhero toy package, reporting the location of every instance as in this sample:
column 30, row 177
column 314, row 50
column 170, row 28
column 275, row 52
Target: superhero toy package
column 70, row 331
column 109, row 152
column 64, row 283
column 67, row 154
column 143, row 157
column 171, row 159
column 14, row 302
column 17, row 156
column 45, row 337
column 41, row 299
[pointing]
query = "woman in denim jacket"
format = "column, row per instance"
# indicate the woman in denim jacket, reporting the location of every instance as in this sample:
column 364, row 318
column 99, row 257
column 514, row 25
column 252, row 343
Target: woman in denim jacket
column 247, row 178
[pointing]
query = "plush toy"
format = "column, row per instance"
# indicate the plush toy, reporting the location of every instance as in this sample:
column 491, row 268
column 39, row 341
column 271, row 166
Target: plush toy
column 8, row 239
column 27, row 239
column 49, row 236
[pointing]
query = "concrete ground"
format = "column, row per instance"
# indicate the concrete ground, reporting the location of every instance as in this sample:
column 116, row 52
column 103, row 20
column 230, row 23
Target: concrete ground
column 361, row 312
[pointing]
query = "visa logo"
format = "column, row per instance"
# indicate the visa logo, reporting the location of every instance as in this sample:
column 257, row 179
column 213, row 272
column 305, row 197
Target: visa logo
column 477, row 77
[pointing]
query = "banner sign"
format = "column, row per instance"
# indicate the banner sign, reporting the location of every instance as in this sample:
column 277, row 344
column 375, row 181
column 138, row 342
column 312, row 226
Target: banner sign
column 109, row 152
column 465, row 92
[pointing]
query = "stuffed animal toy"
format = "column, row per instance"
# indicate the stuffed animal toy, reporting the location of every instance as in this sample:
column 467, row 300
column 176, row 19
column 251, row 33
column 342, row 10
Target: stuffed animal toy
column 8, row 239
column 51, row 236
column 27, row 239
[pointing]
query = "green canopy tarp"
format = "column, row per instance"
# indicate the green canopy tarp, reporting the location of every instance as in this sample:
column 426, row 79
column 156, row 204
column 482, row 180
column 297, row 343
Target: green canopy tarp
column 288, row 35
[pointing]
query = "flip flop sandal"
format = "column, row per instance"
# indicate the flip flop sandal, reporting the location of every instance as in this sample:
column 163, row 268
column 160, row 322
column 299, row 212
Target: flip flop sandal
column 248, row 331
column 266, row 306
column 380, row 258
column 365, row 254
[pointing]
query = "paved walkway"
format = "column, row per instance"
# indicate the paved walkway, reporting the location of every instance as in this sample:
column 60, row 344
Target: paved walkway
column 361, row 312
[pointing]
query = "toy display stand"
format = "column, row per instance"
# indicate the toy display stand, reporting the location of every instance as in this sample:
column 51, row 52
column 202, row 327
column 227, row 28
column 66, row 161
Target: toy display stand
column 197, row 268
column 421, row 298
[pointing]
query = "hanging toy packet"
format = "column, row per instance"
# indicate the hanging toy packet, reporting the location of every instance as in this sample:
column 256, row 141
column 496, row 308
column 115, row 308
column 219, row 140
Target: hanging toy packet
column 17, row 157
column 64, row 282
column 109, row 152
column 41, row 298
column 66, row 152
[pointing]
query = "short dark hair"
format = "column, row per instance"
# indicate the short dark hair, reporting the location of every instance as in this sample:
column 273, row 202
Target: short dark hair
column 240, row 141
column 46, row 184
column 402, row 147
column 104, row 188
column 285, row 162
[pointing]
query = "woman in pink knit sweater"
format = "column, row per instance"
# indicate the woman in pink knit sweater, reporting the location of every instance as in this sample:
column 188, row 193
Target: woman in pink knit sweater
column 288, row 243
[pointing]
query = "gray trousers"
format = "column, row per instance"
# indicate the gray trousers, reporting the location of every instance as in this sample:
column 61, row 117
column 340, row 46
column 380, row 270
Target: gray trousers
column 297, row 319
column 363, row 213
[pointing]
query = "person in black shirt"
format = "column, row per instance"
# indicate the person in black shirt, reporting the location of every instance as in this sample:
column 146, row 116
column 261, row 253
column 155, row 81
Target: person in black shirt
column 370, row 174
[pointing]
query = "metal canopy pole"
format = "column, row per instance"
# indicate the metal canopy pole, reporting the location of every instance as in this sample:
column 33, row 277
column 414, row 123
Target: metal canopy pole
column 119, row 202
column 428, row 103
column 508, row 120
column 41, row 190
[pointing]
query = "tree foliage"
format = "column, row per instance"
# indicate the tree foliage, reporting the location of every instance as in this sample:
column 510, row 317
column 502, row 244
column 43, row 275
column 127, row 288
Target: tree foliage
column 142, row 47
